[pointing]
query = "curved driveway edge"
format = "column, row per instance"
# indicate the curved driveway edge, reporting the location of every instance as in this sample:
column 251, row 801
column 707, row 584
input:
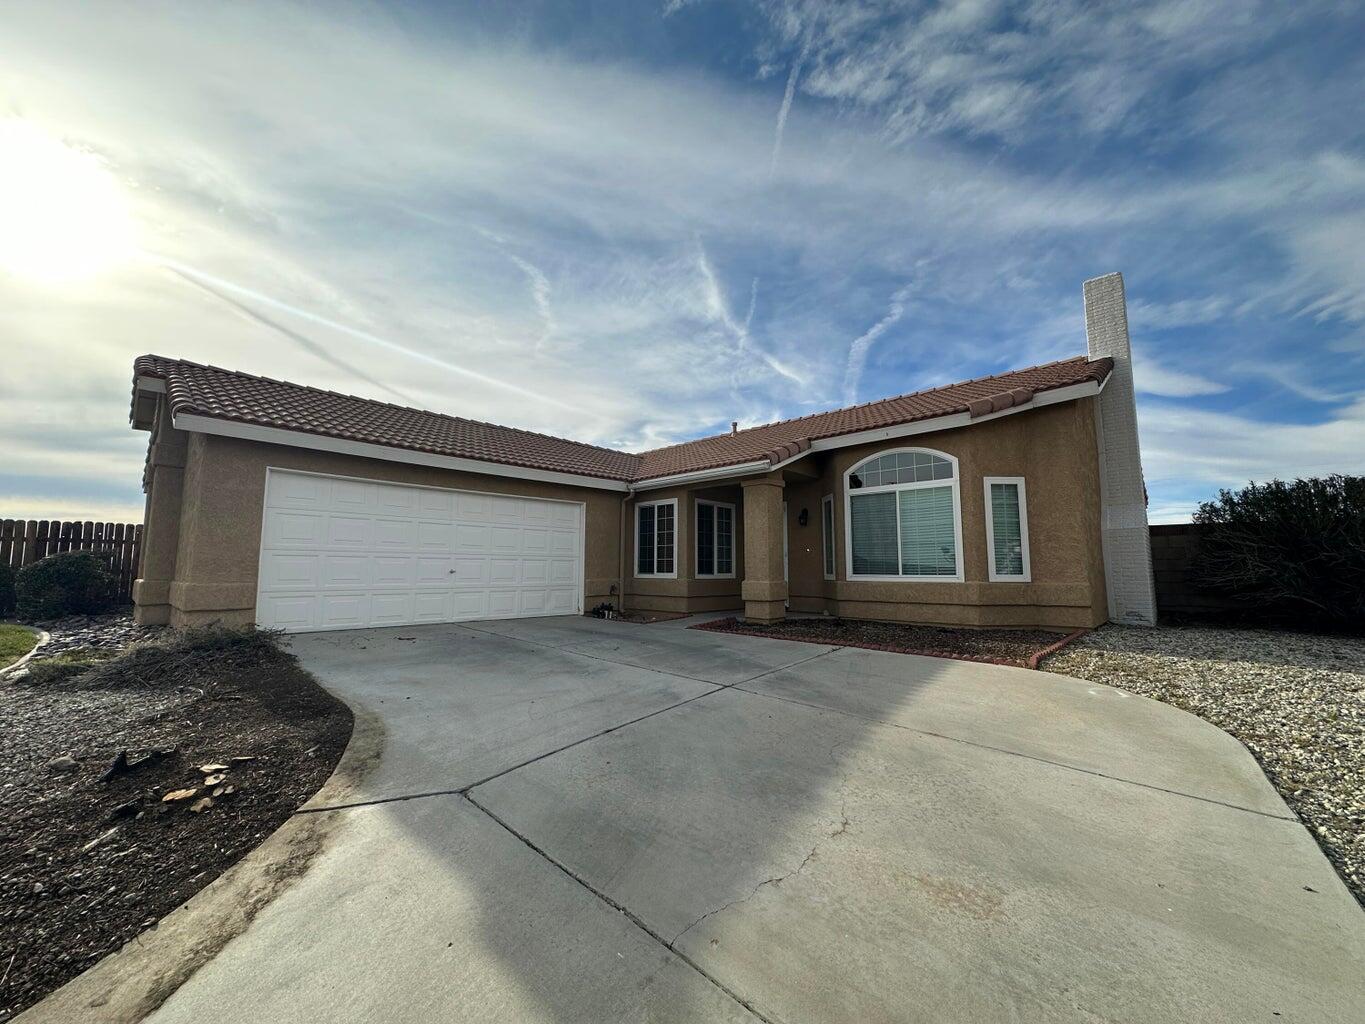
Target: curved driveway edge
column 130, row 983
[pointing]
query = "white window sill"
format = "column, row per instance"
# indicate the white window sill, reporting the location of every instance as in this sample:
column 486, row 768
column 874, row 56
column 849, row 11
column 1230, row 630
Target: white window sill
column 905, row 579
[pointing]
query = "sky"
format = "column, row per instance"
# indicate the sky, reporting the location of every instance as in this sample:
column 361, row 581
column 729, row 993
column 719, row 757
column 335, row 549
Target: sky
column 632, row 223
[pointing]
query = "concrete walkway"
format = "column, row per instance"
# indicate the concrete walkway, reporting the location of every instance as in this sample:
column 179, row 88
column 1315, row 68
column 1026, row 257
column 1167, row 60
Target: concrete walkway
column 576, row 820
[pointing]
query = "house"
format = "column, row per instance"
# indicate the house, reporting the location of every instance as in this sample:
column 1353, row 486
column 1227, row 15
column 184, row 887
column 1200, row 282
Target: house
column 1012, row 500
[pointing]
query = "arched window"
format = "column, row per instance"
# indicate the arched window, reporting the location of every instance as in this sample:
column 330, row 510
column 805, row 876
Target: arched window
column 904, row 517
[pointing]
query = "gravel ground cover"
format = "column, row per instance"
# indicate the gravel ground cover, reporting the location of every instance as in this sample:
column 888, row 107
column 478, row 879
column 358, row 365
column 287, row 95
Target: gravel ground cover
column 1296, row 700
column 111, row 633
column 129, row 782
column 996, row 646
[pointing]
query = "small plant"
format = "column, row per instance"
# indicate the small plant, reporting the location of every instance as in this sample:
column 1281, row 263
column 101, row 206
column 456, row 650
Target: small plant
column 71, row 583
column 1289, row 553
column 6, row 591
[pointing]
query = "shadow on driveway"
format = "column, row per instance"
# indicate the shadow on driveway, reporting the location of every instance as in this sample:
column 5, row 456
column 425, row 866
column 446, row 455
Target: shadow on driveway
column 675, row 825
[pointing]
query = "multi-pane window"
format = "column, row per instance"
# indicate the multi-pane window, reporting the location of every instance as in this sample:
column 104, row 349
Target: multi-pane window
column 656, row 538
column 1007, row 529
column 827, row 533
column 715, row 539
column 903, row 517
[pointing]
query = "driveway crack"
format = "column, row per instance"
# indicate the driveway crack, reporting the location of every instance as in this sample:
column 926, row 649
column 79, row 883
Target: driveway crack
column 810, row 856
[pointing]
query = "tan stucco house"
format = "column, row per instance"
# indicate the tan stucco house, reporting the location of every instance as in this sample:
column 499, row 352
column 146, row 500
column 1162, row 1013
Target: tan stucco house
column 1015, row 499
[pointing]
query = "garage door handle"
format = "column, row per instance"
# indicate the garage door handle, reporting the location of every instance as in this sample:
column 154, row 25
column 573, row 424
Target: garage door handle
column 452, row 572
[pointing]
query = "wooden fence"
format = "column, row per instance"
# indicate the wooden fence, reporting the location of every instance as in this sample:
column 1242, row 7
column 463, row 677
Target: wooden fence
column 22, row 542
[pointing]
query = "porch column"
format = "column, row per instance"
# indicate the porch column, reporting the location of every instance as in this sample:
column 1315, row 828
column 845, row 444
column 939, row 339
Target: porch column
column 764, row 590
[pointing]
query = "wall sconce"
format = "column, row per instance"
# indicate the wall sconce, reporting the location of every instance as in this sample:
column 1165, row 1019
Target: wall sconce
column 803, row 517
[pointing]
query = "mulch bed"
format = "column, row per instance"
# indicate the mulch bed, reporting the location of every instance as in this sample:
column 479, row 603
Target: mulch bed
column 88, row 862
column 1020, row 647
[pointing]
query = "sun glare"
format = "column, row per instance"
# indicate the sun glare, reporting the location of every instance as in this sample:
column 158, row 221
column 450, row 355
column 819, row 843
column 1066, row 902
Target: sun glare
column 63, row 215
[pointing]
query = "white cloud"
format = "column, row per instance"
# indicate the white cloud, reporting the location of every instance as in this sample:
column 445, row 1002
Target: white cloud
column 1152, row 378
column 858, row 348
column 348, row 176
column 1192, row 445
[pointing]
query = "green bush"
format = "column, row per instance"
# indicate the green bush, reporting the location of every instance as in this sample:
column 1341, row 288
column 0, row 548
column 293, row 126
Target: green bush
column 1289, row 554
column 6, row 591
column 72, row 583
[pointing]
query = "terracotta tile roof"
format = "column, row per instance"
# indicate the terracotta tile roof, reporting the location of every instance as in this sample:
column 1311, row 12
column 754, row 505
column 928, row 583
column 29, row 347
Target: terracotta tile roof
column 226, row 394
column 194, row 388
column 779, row 441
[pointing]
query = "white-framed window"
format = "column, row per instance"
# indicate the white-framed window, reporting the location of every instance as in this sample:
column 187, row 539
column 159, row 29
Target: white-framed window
column 656, row 538
column 903, row 517
column 1007, row 529
column 715, row 539
column 827, row 533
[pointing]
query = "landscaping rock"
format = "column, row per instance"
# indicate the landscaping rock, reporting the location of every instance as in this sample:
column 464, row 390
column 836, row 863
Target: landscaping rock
column 63, row 764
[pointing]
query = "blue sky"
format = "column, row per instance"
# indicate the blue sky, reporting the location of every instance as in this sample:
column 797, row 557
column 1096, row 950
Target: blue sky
column 633, row 223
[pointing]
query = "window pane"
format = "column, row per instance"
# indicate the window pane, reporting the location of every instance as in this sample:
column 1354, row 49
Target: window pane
column 1006, row 532
column 725, row 540
column 827, row 522
column 873, row 525
column 706, row 540
column 645, row 561
column 901, row 468
column 928, row 544
column 663, row 535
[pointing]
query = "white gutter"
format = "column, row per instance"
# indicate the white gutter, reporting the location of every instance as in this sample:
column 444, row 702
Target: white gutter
column 717, row 473
column 319, row 442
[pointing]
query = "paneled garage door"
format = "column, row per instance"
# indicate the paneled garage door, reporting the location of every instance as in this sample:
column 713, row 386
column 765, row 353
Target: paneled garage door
column 341, row 553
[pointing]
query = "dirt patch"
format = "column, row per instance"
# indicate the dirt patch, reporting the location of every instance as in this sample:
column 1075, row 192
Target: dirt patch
column 90, row 852
column 994, row 646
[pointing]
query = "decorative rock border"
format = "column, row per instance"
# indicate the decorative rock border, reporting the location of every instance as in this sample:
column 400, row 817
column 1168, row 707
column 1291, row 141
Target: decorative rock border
column 44, row 637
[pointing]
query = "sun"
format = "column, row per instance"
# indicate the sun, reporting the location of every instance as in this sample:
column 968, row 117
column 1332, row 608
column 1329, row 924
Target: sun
column 63, row 216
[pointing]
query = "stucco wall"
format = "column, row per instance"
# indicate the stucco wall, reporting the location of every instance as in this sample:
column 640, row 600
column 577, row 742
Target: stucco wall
column 220, row 521
column 688, row 593
column 1053, row 449
column 209, row 514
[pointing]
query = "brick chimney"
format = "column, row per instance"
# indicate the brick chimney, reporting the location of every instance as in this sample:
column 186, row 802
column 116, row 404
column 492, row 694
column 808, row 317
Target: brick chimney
column 1123, row 498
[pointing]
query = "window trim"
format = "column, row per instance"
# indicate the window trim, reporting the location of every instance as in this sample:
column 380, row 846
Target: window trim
column 829, row 538
column 715, row 540
column 849, row 492
column 635, row 565
column 991, row 574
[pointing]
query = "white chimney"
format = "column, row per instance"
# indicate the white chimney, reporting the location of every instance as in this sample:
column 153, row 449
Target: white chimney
column 1123, row 496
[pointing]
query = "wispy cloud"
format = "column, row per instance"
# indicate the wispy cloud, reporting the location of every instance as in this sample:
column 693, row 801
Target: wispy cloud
column 540, row 295
column 784, row 111
column 994, row 155
column 858, row 349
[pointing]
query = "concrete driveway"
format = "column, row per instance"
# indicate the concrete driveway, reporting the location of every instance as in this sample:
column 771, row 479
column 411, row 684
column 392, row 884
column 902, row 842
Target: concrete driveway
column 576, row 820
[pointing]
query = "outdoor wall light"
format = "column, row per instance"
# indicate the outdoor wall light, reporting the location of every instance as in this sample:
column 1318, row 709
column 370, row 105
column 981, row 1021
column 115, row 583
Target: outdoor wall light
column 803, row 517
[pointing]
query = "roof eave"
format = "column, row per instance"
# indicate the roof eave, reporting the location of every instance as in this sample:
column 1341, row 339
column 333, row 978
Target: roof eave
column 198, row 423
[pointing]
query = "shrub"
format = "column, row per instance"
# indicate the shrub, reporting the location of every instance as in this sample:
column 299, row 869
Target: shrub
column 72, row 583
column 1288, row 553
column 6, row 591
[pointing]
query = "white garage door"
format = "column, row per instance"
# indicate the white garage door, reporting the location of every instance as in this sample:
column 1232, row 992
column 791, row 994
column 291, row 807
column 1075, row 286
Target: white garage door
column 340, row 553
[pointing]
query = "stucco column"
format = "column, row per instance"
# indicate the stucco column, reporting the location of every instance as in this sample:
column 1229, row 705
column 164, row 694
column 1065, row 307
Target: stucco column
column 160, row 532
column 764, row 590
